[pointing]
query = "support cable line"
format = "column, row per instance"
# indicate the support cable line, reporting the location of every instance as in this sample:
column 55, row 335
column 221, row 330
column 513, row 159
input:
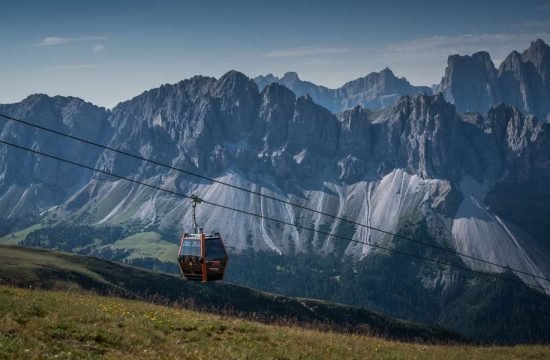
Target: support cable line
column 398, row 236
column 260, row 216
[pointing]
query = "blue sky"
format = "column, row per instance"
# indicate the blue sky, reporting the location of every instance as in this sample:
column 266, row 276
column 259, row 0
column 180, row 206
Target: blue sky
column 110, row 51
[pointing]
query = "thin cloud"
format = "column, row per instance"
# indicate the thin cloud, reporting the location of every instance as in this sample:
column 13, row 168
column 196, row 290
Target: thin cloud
column 98, row 48
column 532, row 24
column 306, row 51
column 75, row 67
column 465, row 44
column 59, row 40
column 53, row 40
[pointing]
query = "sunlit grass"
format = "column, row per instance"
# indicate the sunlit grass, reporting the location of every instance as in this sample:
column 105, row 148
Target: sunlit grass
column 18, row 236
column 41, row 324
column 147, row 245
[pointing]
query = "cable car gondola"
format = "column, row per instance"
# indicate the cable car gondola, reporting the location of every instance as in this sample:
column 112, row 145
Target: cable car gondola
column 202, row 257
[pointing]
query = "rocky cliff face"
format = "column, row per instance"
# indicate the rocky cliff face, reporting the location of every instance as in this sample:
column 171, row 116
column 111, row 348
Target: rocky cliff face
column 470, row 82
column 377, row 90
column 28, row 183
column 418, row 160
column 374, row 91
column 473, row 83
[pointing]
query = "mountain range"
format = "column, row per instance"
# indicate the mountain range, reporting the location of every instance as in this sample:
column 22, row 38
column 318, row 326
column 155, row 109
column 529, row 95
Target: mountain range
column 374, row 91
column 422, row 166
column 471, row 82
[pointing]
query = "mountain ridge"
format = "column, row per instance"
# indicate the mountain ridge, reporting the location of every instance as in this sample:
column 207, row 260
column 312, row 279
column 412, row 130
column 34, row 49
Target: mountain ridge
column 473, row 83
column 375, row 90
column 421, row 139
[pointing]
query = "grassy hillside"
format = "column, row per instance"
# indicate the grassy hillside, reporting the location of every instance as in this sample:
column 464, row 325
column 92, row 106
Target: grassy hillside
column 147, row 245
column 26, row 267
column 487, row 309
column 149, row 249
column 71, row 324
column 16, row 237
column 482, row 308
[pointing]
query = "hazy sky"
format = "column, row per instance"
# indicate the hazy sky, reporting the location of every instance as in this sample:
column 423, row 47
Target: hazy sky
column 109, row 51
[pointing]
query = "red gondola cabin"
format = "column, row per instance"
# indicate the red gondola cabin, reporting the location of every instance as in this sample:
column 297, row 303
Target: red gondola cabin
column 202, row 257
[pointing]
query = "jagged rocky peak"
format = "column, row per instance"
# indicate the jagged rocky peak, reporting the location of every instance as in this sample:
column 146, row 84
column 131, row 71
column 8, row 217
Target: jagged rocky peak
column 277, row 108
column 57, row 102
column 175, row 102
column 539, row 55
column 382, row 83
column 376, row 90
column 37, row 99
column 65, row 113
column 290, row 76
column 413, row 110
column 523, row 80
column 172, row 97
column 236, row 82
column 423, row 116
column 470, row 82
column 264, row 80
column 476, row 61
column 313, row 126
column 385, row 73
column 413, row 129
column 240, row 100
column 194, row 88
column 24, row 174
column 288, row 79
column 274, row 92
column 484, row 59
column 511, row 63
column 374, row 81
